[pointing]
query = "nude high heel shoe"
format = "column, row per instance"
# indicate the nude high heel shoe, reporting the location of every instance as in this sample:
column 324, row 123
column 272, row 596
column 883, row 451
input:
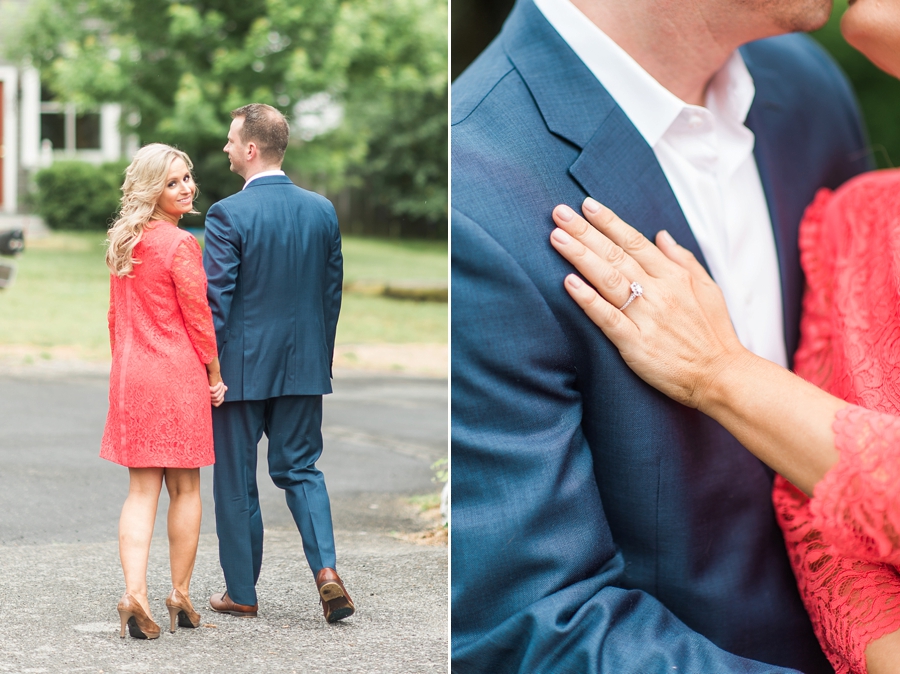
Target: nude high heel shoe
column 181, row 609
column 140, row 625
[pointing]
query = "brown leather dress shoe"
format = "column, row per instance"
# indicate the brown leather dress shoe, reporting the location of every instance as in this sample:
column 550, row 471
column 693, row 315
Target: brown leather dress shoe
column 336, row 602
column 222, row 603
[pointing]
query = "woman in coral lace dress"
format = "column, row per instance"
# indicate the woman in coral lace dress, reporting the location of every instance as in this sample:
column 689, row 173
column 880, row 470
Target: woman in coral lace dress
column 165, row 375
column 836, row 448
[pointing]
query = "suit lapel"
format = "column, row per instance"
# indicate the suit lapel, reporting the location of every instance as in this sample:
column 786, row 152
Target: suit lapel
column 615, row 165
column 767, row 120
column 620, row 170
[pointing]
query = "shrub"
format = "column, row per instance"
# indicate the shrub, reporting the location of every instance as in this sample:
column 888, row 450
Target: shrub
column 79, row 196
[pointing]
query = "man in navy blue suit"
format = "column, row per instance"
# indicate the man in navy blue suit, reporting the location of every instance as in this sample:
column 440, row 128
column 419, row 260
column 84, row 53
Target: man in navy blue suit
column 273, row 259
column 597, row 525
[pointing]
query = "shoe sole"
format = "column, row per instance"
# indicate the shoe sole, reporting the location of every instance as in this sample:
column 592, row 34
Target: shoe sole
column 340, row 613
column 332, row 593
column 184, row 621
column 137, row 633
column 236, row 614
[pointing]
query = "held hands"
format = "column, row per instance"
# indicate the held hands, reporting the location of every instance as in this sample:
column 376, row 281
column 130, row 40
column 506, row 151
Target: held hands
column 217, row 393
column 217, row 389
column 677, row 336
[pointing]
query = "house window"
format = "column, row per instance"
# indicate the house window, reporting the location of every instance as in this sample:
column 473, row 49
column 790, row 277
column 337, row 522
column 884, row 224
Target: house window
column 67, row 128
column 87, row 131
column 53, row 128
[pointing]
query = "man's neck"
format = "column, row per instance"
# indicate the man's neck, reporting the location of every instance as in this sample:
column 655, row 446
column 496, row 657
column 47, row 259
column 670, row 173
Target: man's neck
column 256, row 170
column 675, row 42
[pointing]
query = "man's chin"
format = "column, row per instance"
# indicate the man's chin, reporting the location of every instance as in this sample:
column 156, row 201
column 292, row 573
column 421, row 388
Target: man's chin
column 811, row 15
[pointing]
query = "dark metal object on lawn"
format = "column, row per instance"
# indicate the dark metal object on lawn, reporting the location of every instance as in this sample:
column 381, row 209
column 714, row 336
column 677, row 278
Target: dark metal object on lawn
column 12, row 242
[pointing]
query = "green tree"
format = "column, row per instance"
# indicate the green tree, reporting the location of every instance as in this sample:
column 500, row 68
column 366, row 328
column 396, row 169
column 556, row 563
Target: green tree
column 180, row 67
column 393, row 87
column 878, row 92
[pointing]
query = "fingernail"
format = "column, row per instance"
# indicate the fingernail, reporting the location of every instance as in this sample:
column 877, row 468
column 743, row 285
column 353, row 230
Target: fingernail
column 560, row 236
column 574, row 281
column 667, row 237
column 590, row 205
column 564, row 213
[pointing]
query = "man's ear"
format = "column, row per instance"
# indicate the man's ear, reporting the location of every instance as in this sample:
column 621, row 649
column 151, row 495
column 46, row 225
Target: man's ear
column 252, row 151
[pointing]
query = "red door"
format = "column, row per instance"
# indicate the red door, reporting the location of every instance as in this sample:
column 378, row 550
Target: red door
column 2, row 148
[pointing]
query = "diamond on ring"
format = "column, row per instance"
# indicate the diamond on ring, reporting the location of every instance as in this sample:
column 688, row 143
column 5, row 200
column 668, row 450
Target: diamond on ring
column 636, row 291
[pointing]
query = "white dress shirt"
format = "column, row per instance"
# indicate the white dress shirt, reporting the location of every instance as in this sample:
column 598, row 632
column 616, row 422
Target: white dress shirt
column 706, row 154
column 262, row 174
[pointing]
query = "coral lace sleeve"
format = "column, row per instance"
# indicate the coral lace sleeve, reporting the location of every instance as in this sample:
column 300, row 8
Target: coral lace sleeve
column 190, row 289
column 851, row 601
column 857, row 504
column 111, row 316
column 816, row 255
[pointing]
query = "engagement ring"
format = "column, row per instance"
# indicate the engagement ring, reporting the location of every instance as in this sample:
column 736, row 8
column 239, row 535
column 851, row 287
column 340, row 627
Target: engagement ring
column 636, row 291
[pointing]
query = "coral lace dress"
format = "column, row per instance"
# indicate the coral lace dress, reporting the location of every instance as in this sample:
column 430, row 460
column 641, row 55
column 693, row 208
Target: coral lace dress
column 844, row 543
column 161, row 334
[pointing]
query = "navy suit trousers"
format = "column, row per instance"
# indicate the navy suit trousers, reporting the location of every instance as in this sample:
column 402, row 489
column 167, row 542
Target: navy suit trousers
column 293, row 426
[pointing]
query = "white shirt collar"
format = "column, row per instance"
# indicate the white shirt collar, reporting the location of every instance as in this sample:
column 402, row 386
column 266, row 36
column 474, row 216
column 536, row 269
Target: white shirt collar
column 262, row 174
column 650, row 106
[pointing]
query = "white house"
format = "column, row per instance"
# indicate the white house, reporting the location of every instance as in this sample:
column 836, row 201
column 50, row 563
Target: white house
column 35, row 129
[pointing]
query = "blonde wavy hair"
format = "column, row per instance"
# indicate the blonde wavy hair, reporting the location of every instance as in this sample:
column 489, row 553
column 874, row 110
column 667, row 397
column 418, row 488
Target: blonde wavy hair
column 145, row 180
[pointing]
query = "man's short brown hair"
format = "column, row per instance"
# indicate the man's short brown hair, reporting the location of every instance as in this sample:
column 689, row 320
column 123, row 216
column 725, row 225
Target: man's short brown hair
column 265, row 126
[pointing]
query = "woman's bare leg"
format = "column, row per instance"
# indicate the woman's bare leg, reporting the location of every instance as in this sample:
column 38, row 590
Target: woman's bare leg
column 136, row 529
column 185, row 511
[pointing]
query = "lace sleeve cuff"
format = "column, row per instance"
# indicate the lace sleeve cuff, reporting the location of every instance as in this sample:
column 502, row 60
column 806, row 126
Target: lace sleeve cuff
column 850, row 602
column 857, row 503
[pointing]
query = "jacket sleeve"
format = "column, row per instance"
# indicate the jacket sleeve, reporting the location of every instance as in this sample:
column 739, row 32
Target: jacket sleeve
column 222, row 261
column 536, row 572
column 334, row 280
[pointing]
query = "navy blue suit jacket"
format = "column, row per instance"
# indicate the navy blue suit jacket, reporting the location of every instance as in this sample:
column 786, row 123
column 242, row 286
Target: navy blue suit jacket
column 273, row 259
column 597, row 525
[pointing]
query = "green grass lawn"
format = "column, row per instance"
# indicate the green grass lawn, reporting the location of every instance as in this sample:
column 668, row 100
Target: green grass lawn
column 61, row 294
column 382, row 260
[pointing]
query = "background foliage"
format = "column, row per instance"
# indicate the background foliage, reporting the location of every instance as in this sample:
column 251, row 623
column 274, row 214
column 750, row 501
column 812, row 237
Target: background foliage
column 180, row 67
column 75, row 195
column 878, row 92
